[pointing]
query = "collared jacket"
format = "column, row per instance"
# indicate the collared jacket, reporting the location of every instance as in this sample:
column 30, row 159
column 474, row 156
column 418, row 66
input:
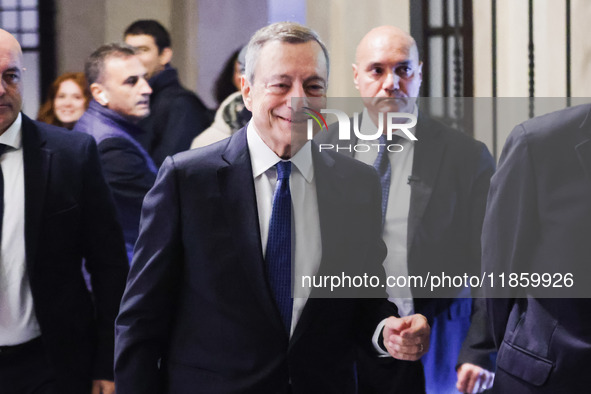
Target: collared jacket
column 177, row 116
column 128, row 169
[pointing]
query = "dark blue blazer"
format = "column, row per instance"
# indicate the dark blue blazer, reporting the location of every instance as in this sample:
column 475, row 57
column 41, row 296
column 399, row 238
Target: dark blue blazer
column 69, row 215
column 538, row 220
column 198, row 314
column 127, row 167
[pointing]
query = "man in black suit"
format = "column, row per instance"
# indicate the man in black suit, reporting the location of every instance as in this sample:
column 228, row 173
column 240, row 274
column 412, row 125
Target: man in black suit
column 538, row 221
column 434, row 205
column 56, row 210
column 208, row 304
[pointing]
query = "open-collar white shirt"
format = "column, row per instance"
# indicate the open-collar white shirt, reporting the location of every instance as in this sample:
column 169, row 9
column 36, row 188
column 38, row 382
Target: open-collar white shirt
column 18, row 323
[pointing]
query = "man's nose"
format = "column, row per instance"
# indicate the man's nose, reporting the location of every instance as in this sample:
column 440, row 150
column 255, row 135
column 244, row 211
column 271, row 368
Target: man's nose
column 296, row 97
column 392, row 81
column 145, row 87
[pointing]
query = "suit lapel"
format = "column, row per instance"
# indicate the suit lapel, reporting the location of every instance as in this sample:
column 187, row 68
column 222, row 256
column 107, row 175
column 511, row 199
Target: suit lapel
column 240, row 206
column 583, row 149
column 36, row 161
column 428, row 153
column 584, row 154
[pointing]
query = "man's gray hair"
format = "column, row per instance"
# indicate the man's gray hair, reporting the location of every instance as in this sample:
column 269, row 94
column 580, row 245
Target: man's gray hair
column 95, row 64
column 289, row 32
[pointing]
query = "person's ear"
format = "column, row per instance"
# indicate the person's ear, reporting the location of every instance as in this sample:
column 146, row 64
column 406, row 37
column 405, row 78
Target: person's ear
column 355, row 75
column 246, row 92
column 165, row 56
column 99, row 94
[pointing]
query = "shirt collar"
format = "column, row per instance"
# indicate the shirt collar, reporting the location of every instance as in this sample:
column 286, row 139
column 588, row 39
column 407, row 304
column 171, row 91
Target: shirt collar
column 13, row 135
column 263, row 158
column 367, row 124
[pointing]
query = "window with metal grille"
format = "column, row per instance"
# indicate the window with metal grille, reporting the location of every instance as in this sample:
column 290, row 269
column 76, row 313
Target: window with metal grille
column 443, row 31
column 31, row 23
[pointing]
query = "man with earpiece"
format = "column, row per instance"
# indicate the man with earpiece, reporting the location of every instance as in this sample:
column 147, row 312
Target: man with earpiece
column 121, row 97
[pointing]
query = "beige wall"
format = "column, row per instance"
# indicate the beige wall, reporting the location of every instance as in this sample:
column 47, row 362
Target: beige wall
column 119, row 14
column 512, row 58
column 581, row 48
column 81, row 28
column 549, row 46
column 218, row 28
column 205, row 32
column 342, row 24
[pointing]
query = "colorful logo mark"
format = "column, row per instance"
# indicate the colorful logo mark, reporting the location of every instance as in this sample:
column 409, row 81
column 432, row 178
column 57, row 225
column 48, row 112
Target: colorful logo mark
column 315, row 117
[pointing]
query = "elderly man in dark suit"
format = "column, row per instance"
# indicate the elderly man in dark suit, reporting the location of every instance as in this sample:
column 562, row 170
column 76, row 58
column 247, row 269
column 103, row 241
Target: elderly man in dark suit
column 56, row 210
column 538, row 222
column 434, row 195
column 208, row 305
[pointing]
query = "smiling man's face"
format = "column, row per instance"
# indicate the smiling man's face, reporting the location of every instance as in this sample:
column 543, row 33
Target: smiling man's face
column 284, row 71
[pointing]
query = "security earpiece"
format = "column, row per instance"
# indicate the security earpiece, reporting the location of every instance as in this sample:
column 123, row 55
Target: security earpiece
column 103, row 98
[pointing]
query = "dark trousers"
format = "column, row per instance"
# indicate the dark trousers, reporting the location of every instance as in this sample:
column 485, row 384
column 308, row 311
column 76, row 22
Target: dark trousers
column 377, row 375
column 24, row 369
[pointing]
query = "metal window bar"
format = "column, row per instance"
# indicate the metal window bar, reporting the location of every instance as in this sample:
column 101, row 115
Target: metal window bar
column 531, row 57
column 494, row 77
column 457, row 61
column 568, row 54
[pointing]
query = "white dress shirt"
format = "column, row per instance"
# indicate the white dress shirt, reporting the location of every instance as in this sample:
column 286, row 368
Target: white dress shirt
column 18, row 323
column 395, row 230
column 308, row 245
column 306, row 222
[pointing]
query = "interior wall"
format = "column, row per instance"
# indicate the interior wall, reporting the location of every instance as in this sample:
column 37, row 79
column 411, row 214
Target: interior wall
column 549, row 48
column 82, row 29
column 184, row 38
column 79, row 30
column 581, row 48
column 342, row 24
column 549, row 34
column 220, row 28
column 204, row 33
column 120, row 14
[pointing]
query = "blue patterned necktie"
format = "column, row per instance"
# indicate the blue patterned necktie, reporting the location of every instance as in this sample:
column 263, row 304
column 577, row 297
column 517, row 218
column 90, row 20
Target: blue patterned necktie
column 278, row 254
column 384, row 169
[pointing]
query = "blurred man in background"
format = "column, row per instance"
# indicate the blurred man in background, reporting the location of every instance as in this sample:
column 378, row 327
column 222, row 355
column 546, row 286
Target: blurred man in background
column 177, row 115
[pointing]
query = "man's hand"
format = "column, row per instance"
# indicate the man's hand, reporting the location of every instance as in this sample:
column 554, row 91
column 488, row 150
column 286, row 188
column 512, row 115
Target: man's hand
column 473, row 379
column 103, row 387
column 407, row 338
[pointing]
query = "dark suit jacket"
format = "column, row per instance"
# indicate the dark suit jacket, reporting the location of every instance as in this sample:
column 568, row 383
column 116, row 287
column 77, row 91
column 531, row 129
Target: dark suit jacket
column 197, row 296
column 538, row 220
column 69, row 215
column 450, row 180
